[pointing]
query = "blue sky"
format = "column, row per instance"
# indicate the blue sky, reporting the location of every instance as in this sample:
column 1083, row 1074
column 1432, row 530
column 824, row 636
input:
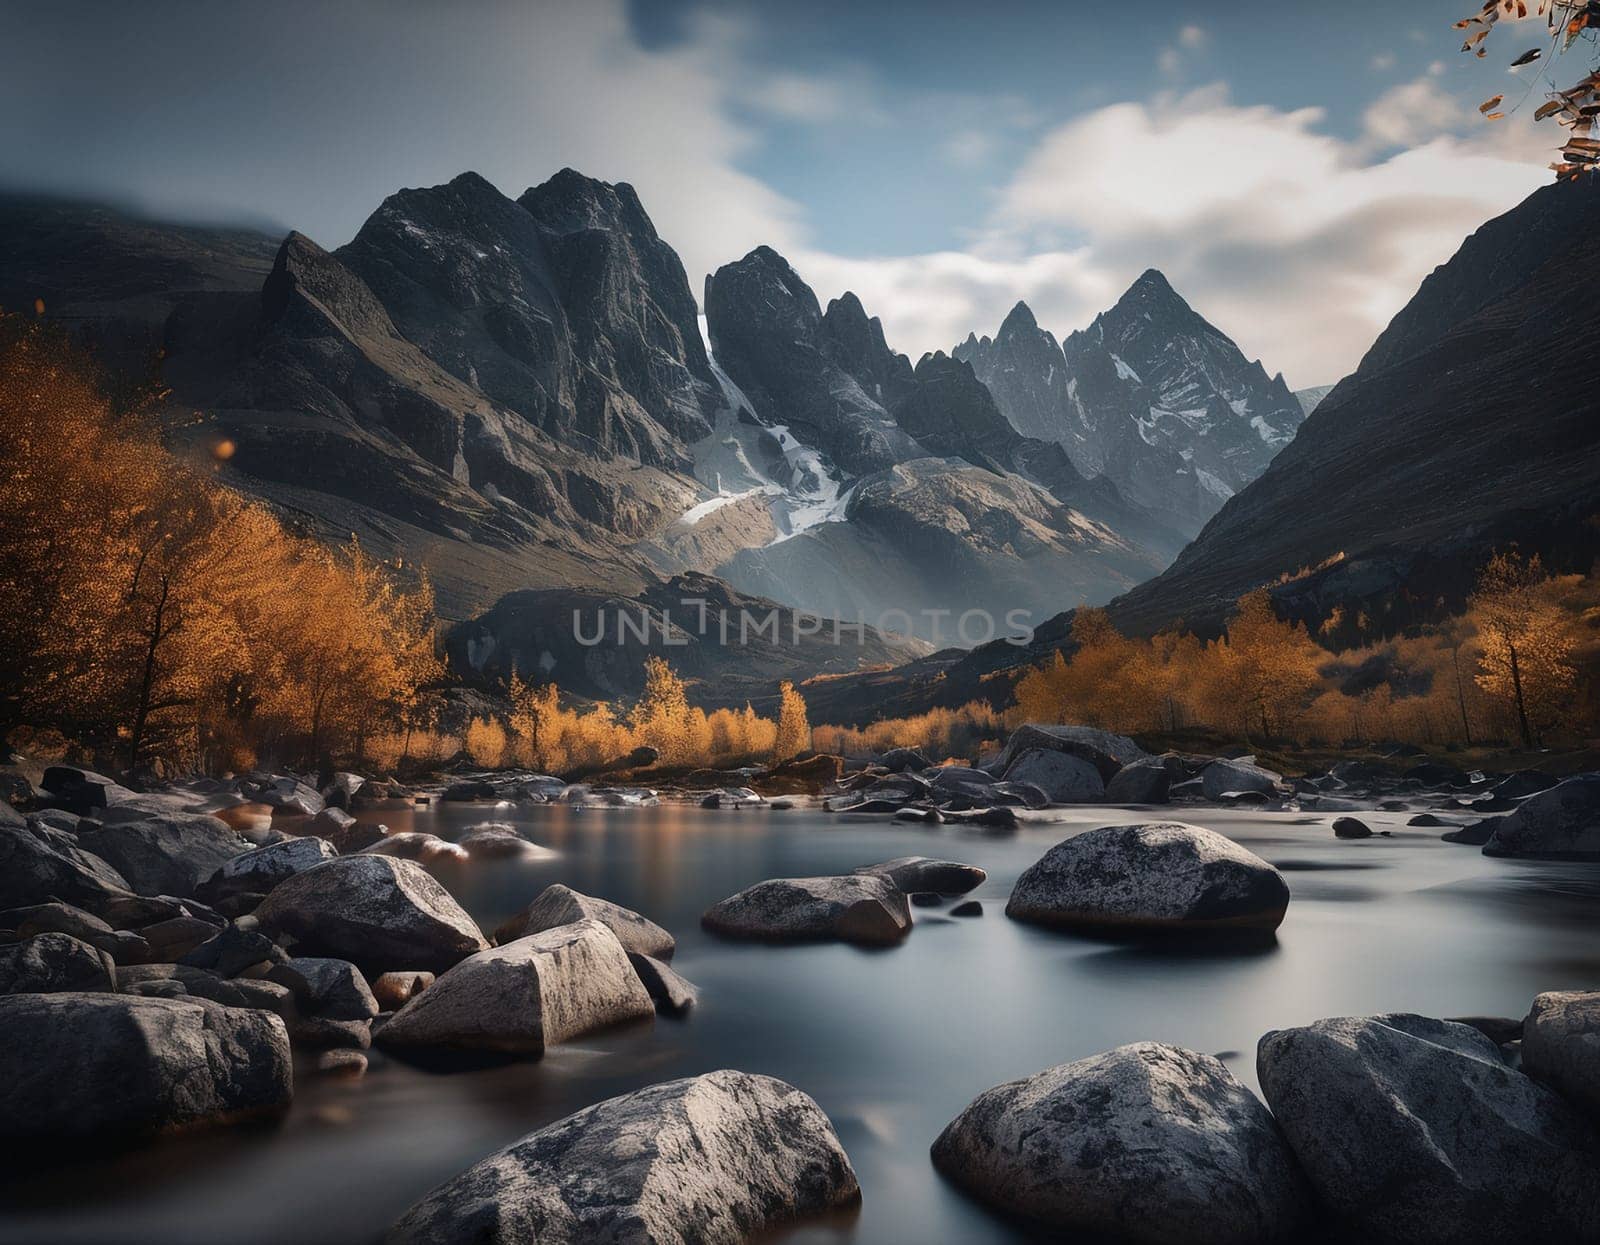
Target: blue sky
column 1294, row 168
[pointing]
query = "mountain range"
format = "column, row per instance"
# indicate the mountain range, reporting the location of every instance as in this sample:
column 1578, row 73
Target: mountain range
column 1150, row 395
column 1470, row 425
column 520, row 394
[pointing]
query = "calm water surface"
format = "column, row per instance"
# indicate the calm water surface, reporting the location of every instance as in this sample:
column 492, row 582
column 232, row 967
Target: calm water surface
column 892, row 1043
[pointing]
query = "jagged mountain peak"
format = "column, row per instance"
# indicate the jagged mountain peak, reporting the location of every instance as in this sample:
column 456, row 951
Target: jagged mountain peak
column 1020, row 319
column 570, row 201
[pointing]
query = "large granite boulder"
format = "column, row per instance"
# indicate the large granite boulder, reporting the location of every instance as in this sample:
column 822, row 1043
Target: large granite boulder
column 81, row 790
column 561, row 905
column 919, row 873
column 91, row 1067
column 673, row 995
column 1222, row 778
column 1063, row 776
column 47, row 963
column 711, row 1160
column 861, row 908
column 1414, row 1130
column 1562, row 823
column 1561, row 1045
column 376, row 911
column 1106, row 751
column 526, row 995
column 1145, row 1143
column 1157, row 876
column 170, row 854
column 257, row 872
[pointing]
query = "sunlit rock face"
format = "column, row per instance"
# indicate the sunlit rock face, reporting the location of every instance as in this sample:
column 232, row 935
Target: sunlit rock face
column 1150, row 394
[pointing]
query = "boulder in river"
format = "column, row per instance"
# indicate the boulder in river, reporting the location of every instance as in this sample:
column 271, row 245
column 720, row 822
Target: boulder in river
column 87, row 1068
column 393, row 990
column 1222, row 778
column 525, row 995
column 1156, row 876
column 1146, row 1143
column 897, row 760
column 1143, row 782
column 1561, row 1045
column 375, row 911
column 561, row 905
column 1351, row 828
column 60, row 918
column 1106, row 751
column 672, row 994
column 1063, row 776
column 860, row 908
column 1414, row 1130
column 717, row 1159
column 417, row 845
column 47, row 963
column 1561, row 823
column 919, row 873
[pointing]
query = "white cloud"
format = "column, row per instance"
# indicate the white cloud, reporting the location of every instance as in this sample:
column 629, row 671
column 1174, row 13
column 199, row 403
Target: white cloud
column 1192, row 36
column 1381, row 62
column 1410, row 114
column 1299, row 244
column 1170, row 60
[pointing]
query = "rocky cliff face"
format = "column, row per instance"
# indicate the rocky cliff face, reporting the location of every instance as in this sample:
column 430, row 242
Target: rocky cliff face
column 1150, row 395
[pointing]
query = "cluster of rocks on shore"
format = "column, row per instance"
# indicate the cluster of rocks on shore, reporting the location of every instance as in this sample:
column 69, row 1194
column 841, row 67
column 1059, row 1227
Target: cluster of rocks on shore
column 164, row 955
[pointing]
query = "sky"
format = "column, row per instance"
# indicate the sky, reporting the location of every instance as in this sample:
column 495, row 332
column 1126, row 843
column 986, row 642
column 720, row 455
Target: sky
column 1294, row 169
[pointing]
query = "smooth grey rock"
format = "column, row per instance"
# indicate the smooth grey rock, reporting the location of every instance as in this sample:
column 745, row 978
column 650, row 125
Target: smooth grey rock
column 326, row 988
column 341, row 790
column 91, row 1067
column 1414, row 1130
column 164, row 855
column 1063, row 776
column 920, row 873
column 1561, row 823
column 969, row 908
column 415, row 845
column 38, row 865
column 497, row 841
column 258, row 871
column 526, row 995
column 1221, row 778
column 1146, row 1143
column 712, row 1160
column 672, row 994
column 1561, row 1045
column 1351, row 828
column 1143, row 782
column 51, row 962
column 289, row 795
column 860, row 907
column 342, row 1062
column 377, row 912
column 561, row 905
column 1162, row 875
column 1106, row 751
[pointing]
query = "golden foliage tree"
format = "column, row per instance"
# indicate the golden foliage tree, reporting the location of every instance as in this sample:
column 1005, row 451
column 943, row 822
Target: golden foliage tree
column 1526, row 662
column 660, row 719
column 146, row 610
column 794, row 729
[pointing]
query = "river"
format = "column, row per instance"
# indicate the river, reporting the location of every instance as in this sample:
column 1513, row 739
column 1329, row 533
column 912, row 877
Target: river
column 892, row 1043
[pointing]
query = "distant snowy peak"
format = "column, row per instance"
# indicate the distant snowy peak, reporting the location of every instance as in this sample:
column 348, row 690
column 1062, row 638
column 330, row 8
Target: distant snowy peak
column 1151, row 394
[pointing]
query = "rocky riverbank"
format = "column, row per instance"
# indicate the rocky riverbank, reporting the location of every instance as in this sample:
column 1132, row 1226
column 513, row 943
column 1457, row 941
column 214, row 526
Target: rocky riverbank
column 165, row 955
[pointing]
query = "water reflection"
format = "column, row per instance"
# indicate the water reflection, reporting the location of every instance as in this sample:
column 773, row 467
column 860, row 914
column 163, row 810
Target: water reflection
column 892, row 1043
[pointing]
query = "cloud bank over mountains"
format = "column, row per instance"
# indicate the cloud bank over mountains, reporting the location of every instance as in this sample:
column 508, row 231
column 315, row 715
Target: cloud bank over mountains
column 1296, row 240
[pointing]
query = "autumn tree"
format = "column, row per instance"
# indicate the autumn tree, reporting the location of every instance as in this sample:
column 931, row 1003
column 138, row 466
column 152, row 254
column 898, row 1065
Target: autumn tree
column 794, row 729
column 1526, row 660
column 1573, row 107
column 1264, row 671
column 660, row 719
